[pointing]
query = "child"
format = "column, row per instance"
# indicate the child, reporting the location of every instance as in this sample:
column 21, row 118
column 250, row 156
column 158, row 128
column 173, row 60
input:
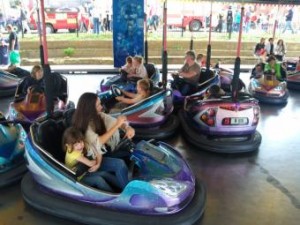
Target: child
column 128, row 67
column 143, row 91
column 201, row 60
column 139, row 68
column 73, row 144
column 214, row 92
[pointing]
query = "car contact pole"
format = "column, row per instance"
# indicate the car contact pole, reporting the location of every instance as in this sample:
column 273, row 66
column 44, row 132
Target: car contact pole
column 208, row 55
column 40, row 32
column 146, row 33
column 192, row 40
column 49, row 83
column 164, row 53
column 237, row 64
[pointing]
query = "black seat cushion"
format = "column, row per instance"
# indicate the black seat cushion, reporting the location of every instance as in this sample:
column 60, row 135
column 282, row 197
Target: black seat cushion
column 49, row 135
column 150, row 69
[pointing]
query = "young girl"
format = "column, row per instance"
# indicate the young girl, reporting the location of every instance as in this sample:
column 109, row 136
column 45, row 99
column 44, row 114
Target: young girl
column 139, row 68
column 73, row 144
column 143, row 91
column 128, row 67
column 280, row 50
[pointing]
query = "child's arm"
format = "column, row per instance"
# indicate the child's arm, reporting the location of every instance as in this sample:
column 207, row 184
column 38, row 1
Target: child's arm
column 87, row 161
column 98, row 162
column 134, row 100
column 129, row 94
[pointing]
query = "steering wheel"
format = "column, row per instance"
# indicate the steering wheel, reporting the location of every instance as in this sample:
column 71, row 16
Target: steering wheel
column 116, row 90
column 125, row 145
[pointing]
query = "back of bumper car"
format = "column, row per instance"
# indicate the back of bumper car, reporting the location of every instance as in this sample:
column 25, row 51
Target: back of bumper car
column 222, row 127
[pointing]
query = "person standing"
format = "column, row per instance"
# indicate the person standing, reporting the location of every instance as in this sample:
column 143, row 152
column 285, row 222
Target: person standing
column 288, row 21
column 24, row 18
column 219, row 27
column 269, row 47
column 96, row 15
column 229, row 20
column 280, row 50
column 13, row 44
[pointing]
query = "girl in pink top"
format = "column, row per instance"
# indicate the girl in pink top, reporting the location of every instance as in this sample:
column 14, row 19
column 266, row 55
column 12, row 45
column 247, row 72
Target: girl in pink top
column 139, row 68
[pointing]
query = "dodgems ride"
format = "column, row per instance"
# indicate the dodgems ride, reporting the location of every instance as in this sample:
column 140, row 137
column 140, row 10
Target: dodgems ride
column 226, row 124
column 163, row 188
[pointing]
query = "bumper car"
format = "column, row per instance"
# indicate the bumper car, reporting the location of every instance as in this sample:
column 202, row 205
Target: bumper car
column 293, row 76
column 267, row 89
column 206, row 80
column 12, row 148
column 216, row 76
column 293, row 80
column 151, row 118
column 222, row 123
column 130, row 84
column 26, row 109
column 8, row 83
column 163, row 189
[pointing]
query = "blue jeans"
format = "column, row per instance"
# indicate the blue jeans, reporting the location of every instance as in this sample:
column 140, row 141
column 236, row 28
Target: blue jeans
column 288, row 25
column 118, row 167
column 96, row 26
column 98, row 180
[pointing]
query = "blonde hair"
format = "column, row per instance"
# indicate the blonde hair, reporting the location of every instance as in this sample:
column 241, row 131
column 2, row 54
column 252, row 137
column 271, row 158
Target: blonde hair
column 144, row 84
column 138, row 59
column 34, row 70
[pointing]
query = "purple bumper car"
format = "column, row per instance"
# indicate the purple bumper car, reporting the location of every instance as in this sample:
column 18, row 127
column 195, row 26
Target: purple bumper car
column 223, row 125
column 163, row 188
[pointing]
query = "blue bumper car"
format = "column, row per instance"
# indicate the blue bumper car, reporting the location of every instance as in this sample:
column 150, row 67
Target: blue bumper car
column 12, row 148
column 130, row 84
column 163, row 188
column 151, row 118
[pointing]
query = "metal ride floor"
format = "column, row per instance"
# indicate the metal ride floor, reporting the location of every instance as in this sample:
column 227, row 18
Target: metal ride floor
column 258, row 188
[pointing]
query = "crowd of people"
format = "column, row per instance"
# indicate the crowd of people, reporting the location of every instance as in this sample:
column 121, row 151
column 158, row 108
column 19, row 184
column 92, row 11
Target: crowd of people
column 253, row 20
column 263, row 50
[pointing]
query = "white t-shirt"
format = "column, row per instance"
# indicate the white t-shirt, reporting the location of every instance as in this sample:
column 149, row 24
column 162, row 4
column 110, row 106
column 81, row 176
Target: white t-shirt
column 92, row 138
